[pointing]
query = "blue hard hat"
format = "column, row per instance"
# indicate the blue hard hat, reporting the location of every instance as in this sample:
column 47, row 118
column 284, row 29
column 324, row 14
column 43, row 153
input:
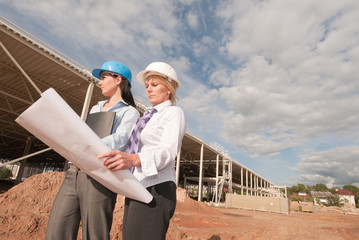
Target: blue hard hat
column 114, row 67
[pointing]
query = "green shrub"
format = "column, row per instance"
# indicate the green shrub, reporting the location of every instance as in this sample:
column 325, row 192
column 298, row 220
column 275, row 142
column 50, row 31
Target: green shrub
column 297, row 198
column 334, row 200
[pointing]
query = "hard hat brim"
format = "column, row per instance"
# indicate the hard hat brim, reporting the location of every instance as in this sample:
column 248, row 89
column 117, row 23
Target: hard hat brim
column 97, row 72
column 141, row 76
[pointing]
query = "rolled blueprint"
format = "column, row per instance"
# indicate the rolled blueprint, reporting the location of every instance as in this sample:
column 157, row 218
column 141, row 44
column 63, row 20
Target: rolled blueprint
column 55, row 123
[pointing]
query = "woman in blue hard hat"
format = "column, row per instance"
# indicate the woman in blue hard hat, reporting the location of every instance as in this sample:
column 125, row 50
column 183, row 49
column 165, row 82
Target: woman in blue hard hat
column 153, row 159
column 81, row 198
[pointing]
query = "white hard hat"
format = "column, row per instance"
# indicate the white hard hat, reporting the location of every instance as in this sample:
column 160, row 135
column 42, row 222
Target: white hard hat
column 158, row 68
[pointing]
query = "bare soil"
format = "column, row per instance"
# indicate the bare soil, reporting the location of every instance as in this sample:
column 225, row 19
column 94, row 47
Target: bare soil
column 25, row 208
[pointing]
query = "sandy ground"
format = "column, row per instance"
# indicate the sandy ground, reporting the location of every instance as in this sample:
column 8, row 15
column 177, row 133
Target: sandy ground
column 24, row 212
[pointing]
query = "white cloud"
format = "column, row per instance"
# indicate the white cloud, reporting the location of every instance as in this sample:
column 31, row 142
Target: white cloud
column 134, row 27
column 296, row 77
column 204, row 111
column 192, row 20
column 340, row 164
column 312, row 180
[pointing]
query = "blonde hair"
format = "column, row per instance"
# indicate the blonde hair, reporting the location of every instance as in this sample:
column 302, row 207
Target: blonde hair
column 170, row 84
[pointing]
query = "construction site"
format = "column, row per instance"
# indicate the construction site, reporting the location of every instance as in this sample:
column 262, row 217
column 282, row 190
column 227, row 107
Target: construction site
column 203, row 169
column 217, row 196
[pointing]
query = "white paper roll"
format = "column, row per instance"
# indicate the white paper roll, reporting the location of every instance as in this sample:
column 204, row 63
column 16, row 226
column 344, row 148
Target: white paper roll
column 55, row 123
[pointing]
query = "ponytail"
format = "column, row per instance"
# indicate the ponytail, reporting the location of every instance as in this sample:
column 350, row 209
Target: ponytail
column 126, row 92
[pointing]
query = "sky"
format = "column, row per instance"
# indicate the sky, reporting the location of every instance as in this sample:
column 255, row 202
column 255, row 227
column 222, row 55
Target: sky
column 274, row 82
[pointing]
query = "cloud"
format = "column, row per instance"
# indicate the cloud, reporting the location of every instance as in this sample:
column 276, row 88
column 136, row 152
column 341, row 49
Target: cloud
column 129, row 28
column 339, row 164
column 312, row 180
column 294, row 79
column 192, row 20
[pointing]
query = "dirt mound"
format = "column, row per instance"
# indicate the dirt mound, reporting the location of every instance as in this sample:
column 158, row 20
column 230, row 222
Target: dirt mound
column 346, row 209
column 25, row 208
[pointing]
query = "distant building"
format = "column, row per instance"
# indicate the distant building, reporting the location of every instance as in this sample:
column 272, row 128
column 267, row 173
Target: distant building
column 346, row 194
column 303, row 195
column 321, row 195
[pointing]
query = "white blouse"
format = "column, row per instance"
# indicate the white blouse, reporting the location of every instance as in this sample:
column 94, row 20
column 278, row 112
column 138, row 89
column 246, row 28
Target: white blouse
column 160, row 142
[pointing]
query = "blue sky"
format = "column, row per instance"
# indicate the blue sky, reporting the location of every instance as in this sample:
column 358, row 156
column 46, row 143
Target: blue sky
column 274, row 82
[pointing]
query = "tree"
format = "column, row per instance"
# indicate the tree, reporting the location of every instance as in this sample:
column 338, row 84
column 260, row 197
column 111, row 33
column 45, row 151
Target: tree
column 302, row 188
column 333, row 200
column 352, row 188
column 320, row 187
column 332, row 190
column 296, row 189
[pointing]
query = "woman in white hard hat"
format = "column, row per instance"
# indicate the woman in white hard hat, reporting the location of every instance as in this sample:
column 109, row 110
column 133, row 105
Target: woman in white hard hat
column 154, row 160
column 81, row 198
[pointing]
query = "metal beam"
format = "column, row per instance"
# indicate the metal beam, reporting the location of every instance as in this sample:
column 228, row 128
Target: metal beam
column 200, row 187
column 20, row 68
column 217, row 169
column 24, row 157
column 14, row 97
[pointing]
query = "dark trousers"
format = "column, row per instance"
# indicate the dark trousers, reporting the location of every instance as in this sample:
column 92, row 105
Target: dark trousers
column 150, row 221
column 81, row 198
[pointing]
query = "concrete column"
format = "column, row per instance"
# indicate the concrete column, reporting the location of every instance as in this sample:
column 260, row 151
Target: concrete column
column 251, row 182
column 200, row 183
column 241, row 180
column 254, row 185
column 247, row 185
column 266, row 188
column 260, row 186
column 217, row 170
column 86, row 106
column 23, row 163
column 230, row 187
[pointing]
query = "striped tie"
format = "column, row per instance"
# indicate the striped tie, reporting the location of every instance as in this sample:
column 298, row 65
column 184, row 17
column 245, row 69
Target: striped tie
column 135, row 136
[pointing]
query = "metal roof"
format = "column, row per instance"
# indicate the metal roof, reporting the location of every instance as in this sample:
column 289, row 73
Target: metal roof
column 46, row 69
